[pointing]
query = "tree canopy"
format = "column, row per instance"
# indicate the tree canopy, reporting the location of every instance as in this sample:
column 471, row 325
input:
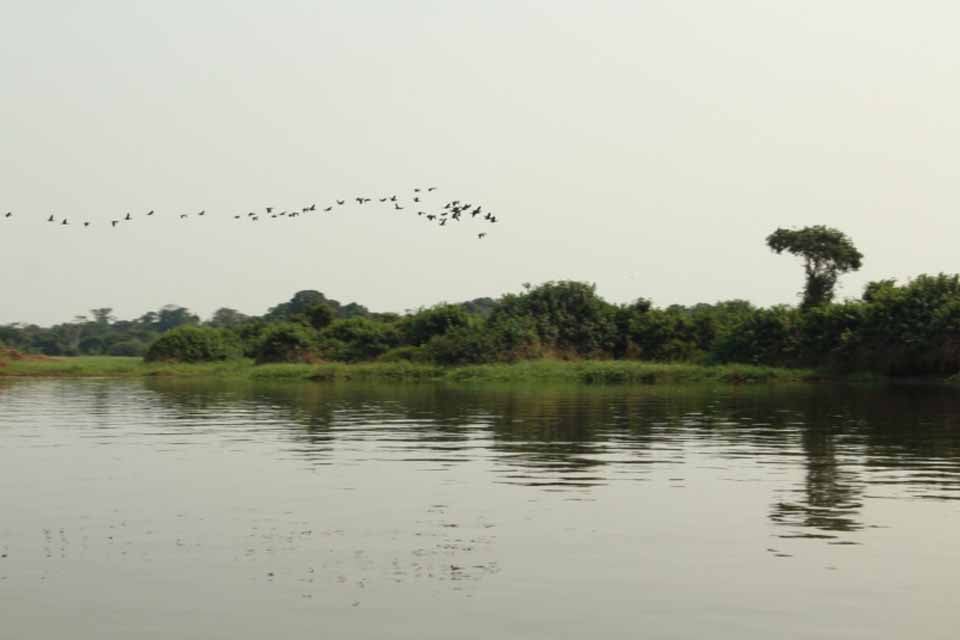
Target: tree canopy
column 826, row 252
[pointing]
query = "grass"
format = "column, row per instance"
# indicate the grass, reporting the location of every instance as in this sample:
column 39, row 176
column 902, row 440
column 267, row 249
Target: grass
column 582, row 372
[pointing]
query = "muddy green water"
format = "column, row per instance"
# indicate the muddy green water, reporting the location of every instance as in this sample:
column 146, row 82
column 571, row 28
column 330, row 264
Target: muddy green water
column 195, row 510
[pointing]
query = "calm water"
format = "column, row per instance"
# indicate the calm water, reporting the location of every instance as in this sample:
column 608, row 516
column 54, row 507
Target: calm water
column 186, row 510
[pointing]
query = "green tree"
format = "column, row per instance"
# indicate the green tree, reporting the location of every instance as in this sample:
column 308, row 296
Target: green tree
column 285, row 342
column 189, row 343
column 423, row 325
column 226, row 318
column 320, row 316
column 827, row 253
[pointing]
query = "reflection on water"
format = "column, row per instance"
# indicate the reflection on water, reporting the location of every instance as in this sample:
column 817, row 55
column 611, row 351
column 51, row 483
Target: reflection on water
column 333, row 492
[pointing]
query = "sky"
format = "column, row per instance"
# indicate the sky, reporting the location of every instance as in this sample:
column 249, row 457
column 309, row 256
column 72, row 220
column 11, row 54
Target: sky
column 647, row 147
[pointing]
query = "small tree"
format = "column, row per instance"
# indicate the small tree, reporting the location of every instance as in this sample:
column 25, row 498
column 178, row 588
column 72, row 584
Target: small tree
column 320, row 316
column 285, row 342
column 826, row 252
column 189, row 343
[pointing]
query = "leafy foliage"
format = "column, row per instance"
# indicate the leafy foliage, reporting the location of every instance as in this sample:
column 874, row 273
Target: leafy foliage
column 899, row 329
column 826, row 252
column 285, row 342
column 194, row 344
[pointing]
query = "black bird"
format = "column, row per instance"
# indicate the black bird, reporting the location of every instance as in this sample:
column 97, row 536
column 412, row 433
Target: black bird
column 443, row 222
column 416, row 199
column 114, row 223
column 493, row 219
column 64, row 221
column 269, row 209
column 86, row 224
column 383, row 199
column 312, row 207
column 236, row 217
column 397, row 207
column 150, row 213
column 393, row 198
column 340, row 201
column 251, row 215
column 127, row 217
column 481, row 236
column 359, row 200
column 475, row 212
column 431, row 217
column 182, row 216
column 8, row 214
column 50, row 219
column 416, row 189
column 328, row 209
column 420, row 213
column 255, row 218
column 432, row 189
column 202, row 212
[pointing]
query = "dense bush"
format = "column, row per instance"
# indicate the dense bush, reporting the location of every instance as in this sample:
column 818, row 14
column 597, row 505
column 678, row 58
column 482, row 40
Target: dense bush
column 189, row 343
column 285, row 342
column 361, row 338
column 570, row 318
column 899, row 329
column 423, row 325
column 129, row 348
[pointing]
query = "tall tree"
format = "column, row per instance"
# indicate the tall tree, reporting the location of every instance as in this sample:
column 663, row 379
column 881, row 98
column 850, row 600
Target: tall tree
column 827, row 253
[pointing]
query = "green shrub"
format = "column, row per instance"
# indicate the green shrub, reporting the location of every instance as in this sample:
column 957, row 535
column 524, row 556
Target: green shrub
column 129, row 348
column 190, row 343
column 466, row 345
column 406, row 353
column 285, row 342
column 361, row 338
column 420, row 327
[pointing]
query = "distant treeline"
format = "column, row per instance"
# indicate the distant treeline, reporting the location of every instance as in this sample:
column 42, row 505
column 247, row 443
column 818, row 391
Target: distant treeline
column 898, row 329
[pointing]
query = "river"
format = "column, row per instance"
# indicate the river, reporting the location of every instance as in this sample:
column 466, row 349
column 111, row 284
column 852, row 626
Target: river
column 199, row 509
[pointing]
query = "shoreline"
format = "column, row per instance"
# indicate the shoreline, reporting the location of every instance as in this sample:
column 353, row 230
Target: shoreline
column 579, row 372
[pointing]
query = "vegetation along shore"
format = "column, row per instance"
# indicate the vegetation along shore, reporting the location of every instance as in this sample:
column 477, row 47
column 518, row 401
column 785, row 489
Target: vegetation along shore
column 557, row 330
column 582, row 372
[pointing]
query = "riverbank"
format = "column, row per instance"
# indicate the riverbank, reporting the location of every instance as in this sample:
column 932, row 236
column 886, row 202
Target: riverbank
column 583, row 372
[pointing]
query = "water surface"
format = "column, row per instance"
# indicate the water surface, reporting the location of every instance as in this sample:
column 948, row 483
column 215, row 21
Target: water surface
column 172, row 509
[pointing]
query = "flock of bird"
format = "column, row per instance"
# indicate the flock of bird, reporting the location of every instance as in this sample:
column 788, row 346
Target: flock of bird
column 452, row 211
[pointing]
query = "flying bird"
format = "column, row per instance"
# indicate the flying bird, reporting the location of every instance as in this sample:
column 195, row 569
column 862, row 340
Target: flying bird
column 64, row 221
column 150, row 213
column 481, row 236
column 50, row 219
column 8, row 214
column 328, row 209
column 127, row 217
column 114, row 223
column 86, row 224
column 341, row 201
column 269, row 209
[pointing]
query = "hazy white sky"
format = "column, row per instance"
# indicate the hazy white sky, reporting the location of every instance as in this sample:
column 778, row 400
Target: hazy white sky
column 646, row 146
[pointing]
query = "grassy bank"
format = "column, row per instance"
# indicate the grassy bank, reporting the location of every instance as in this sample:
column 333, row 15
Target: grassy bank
column 583, row 372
